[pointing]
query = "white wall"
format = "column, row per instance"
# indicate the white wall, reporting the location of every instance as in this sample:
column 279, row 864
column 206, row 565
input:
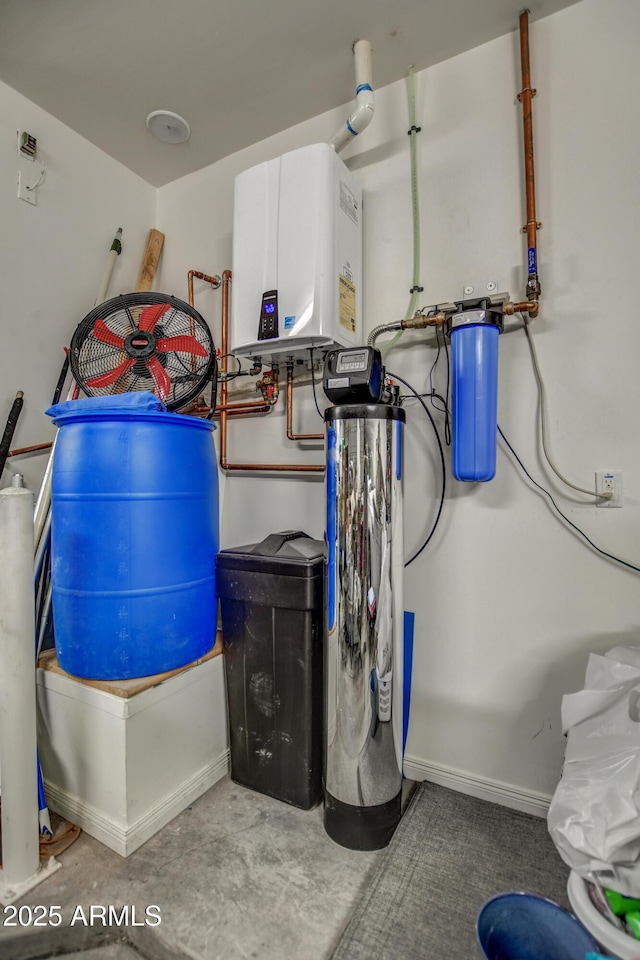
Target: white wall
column 53, row 257
column 508, row 601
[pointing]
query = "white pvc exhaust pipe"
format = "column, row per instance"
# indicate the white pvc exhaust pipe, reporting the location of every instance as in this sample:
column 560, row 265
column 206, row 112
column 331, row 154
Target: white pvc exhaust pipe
column 363, row 113
column 18, row 759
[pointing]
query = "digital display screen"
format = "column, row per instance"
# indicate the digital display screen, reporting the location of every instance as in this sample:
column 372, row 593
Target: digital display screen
column 352, row 362
column 269, row 308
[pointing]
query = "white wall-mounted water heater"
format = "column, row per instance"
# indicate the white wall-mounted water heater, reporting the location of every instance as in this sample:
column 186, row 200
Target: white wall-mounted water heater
column 297, row 256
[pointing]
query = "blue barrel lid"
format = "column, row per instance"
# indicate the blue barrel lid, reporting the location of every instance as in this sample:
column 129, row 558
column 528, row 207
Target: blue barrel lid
column 140, row 404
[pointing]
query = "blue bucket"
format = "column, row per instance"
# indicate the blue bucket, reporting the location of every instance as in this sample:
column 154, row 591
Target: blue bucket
column 522, row 926
column 134, row 509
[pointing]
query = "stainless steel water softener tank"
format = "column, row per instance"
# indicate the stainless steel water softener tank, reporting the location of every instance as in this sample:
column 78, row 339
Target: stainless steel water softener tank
column 364, row 643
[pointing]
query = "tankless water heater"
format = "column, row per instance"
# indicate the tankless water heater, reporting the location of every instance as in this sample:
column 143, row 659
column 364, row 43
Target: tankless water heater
column 297, row 256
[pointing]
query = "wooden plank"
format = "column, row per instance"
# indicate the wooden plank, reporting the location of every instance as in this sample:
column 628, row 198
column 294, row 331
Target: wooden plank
column 125, row 688
column 150, row 261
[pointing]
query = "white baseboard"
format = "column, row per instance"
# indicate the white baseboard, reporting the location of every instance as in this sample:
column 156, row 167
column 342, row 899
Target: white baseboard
column 122, row 837
column 494, row 790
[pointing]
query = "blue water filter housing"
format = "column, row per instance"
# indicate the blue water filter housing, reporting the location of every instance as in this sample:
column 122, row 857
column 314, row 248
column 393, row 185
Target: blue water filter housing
column 474, row 395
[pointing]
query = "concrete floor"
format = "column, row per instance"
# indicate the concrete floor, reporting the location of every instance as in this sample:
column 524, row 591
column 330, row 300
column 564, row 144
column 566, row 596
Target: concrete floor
column 235, row 875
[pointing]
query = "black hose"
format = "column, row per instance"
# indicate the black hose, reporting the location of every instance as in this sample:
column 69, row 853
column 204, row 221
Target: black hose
column 7, row 436
column 61, row 380
column 214, row 389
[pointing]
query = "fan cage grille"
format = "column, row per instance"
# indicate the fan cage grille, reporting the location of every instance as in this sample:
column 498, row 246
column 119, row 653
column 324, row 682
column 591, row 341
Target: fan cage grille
column 188, row 372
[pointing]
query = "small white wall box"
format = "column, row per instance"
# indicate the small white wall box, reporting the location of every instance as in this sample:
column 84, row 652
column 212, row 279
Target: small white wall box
column 123, row 758
column 297, row 256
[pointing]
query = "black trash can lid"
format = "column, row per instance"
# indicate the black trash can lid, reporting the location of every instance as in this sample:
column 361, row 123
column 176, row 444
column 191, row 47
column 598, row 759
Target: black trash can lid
column 289, row 543
column 288, row 549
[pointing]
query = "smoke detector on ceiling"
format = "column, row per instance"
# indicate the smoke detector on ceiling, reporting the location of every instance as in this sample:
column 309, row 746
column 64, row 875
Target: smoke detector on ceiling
column 168, row 127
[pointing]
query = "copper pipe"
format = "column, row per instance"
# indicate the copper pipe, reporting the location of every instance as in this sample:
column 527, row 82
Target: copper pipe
column 525, row 97
column 214, row 281
column 238, row 409
column 278, row 467
column 38, row 446
column 224, row 463
column 249, row 406
column 290, row 434
column 527, row 306
column 244, row 407
column 224, row 349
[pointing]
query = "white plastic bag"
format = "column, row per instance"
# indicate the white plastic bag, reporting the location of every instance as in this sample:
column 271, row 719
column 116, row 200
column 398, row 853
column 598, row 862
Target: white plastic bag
column 594, row 817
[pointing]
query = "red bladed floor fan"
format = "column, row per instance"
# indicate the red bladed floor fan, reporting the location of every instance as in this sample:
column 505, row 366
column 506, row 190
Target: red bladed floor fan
column 144, row 341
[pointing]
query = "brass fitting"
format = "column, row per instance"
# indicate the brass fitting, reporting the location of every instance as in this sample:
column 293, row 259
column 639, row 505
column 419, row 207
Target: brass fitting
column 525, row 306
column 421, row 321
column 269, row 386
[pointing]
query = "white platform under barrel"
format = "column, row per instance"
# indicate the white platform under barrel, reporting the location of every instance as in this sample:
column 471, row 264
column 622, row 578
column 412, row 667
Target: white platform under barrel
column 122, row 758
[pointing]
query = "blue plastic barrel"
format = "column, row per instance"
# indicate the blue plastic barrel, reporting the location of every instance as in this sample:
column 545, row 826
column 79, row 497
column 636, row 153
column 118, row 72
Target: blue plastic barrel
column 134, row 512
column 474, row 401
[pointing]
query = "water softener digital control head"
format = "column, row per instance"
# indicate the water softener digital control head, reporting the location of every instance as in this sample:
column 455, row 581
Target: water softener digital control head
column 353, row 375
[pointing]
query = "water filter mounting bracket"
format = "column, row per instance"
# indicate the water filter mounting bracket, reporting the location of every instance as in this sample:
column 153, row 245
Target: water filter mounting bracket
column 480, row 287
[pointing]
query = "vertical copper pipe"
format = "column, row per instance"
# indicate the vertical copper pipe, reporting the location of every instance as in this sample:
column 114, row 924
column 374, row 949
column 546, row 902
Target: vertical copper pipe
column 525, row 97
column 248, row 406
column 215, row 283
column 290, row 434
column 224, row 349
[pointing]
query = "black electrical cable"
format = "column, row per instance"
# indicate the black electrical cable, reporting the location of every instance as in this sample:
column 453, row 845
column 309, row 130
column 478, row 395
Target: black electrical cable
column 313, row 383
column 604, row 553
column 433, row 395
column 435, row 362
column 447, row 420
column 228, row 377
column 213, row 402
column 445, row 402
column 444, row 470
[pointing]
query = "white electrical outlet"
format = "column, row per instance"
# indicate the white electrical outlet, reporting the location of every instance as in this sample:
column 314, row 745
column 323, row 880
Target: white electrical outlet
column 26, row 188
column 609, row 488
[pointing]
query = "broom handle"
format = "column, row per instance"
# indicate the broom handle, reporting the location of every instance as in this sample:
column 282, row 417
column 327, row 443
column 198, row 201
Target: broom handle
column 43, row 501
column 114, row 253
column 150, row 261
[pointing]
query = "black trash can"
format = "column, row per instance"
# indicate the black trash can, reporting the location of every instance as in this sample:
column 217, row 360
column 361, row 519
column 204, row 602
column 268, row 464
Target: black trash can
column 272, row 599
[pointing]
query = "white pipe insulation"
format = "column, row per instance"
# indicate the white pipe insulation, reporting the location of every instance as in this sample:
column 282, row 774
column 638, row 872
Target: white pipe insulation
column 363, row 113
column 18, row 757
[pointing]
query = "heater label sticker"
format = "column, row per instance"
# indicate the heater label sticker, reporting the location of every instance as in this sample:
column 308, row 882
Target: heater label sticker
column 348, row 202
column 347, row 304
column 289, row 323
